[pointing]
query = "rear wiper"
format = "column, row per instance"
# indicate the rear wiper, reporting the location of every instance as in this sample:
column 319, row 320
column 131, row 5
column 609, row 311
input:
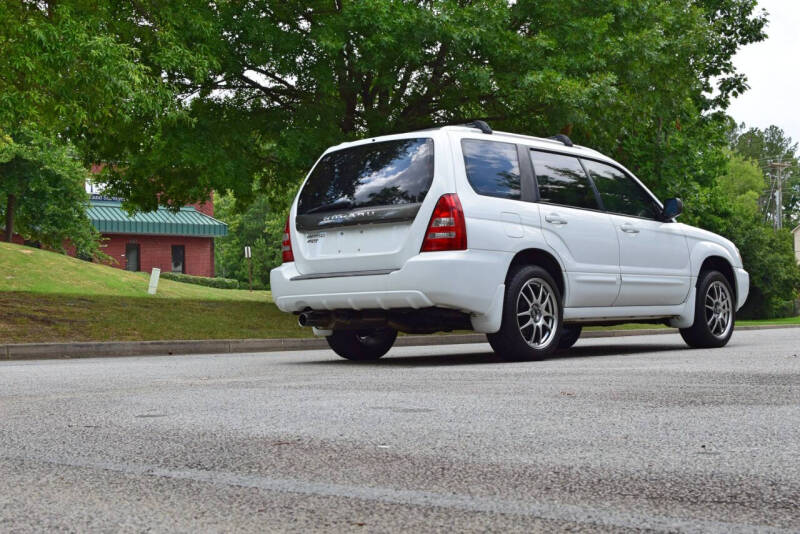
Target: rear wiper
column 340, row 204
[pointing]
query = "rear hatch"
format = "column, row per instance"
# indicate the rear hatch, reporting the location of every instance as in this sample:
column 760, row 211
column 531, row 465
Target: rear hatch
column 357, row 210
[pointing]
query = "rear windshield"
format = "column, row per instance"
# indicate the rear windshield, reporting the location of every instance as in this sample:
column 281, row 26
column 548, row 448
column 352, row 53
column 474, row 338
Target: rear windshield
column 388, row 173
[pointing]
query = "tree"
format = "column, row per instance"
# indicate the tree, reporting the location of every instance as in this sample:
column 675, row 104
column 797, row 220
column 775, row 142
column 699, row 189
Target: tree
column 65, row 71
column 254, row 226
column 42, row 190
column 66, row 81
column 743, row 184
column 731, row 208
column 266, row 86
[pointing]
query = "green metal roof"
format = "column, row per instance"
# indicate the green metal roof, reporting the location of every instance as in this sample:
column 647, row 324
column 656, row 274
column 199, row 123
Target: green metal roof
column 109, row 218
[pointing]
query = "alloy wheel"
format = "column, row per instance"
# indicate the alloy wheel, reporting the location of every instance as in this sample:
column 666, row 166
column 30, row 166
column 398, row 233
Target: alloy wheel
column 718, row 309
column 536, row 313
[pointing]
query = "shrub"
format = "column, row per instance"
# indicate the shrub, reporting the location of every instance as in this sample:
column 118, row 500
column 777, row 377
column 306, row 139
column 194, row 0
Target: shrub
column 219, row 283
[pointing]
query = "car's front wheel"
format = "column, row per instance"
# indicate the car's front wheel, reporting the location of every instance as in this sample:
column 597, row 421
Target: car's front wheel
column 532, row 314
column 714, row 315
column 362, row 345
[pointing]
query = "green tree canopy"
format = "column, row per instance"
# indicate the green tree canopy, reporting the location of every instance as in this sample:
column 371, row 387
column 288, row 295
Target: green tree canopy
column 254, row 226
column 67, row 80
column 743, row 184
column 265, row 86
column 66, row 71
column 43, row 187
column 731, row 207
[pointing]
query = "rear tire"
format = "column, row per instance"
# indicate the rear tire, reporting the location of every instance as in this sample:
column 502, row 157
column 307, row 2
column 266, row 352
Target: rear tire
column 570, row 333
column 532, row 315
column 362, row 345
column 714, row 313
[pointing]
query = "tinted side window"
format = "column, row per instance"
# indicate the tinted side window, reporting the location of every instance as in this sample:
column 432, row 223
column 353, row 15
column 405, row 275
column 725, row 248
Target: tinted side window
column 492, row 168
column 619, row 193
column 562, row 181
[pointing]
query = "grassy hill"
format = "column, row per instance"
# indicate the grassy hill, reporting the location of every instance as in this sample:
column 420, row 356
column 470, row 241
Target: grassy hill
column 45, row 296
column 39, row 271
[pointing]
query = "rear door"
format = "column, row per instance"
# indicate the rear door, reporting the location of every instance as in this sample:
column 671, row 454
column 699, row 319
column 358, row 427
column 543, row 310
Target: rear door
column 357, row 211
column 577, row 230
column 654, row 254
column 495, row 214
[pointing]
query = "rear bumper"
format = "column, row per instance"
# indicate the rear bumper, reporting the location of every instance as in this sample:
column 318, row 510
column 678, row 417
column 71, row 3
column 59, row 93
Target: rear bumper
column 466, row 280
column 742, row 286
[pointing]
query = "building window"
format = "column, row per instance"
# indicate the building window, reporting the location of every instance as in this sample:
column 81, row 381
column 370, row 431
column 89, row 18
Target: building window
column 178, row 259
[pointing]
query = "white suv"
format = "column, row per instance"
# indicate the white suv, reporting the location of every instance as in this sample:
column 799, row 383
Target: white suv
column 522, row 238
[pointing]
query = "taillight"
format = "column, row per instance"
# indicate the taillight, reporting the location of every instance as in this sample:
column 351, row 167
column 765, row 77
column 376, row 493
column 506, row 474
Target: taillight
column 286, row 247
column 447, row 229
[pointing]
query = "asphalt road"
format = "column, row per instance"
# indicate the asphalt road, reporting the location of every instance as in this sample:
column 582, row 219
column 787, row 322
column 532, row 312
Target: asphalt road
column 619, row 434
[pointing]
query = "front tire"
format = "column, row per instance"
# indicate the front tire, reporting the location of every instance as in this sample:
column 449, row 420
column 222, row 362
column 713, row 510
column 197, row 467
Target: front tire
column 532, row 316
column 714, row 313
column 362, row 345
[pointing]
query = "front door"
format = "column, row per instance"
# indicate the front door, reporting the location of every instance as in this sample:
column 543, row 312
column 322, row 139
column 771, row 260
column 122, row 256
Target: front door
column 131, row 257
column 654, row 255
column 178, row 259
column 580, row 233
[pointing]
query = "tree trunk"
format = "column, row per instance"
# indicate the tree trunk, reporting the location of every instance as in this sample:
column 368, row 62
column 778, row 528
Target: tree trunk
column 10, row 202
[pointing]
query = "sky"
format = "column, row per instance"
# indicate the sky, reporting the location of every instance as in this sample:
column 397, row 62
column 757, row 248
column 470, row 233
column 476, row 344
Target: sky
column 772, row 68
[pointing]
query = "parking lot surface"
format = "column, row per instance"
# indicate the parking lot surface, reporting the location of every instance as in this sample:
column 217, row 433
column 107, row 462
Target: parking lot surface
column 618, row 434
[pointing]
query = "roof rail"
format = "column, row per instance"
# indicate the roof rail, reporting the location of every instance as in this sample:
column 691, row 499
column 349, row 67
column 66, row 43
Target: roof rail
column 481, row 125
column 563, row 139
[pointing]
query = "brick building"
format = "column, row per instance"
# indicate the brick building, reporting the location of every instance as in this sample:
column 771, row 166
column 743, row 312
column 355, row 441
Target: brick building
column 181, row 242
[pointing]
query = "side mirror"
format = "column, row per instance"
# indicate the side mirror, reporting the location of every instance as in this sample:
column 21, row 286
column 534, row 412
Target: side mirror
column 672, row 208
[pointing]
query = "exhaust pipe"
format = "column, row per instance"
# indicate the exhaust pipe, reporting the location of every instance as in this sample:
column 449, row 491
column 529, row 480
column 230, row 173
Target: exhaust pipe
column 315, row 318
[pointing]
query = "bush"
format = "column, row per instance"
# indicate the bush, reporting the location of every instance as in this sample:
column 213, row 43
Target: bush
column 219, row 283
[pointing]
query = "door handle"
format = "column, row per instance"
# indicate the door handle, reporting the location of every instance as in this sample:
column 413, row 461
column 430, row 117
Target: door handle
column 629, row 228
column 555, row 218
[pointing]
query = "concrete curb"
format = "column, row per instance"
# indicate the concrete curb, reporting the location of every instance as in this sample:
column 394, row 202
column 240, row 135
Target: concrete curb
column 89, row 349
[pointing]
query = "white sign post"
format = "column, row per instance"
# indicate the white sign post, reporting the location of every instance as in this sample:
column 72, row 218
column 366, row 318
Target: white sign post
column 154, row 276
column 248, row 255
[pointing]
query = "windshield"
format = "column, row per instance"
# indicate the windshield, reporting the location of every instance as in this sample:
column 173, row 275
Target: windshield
column 387, row 173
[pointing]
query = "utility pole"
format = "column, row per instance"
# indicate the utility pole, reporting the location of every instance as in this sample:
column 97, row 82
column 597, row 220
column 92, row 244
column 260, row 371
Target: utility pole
column 780, row 165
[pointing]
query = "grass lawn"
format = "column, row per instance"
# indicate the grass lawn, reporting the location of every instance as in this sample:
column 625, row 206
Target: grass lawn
column 761, row 322
column 46, row 297
column 36, row 317
column 38, row 271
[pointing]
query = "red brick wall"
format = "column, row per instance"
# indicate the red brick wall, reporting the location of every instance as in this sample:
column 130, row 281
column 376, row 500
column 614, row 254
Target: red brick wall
column 156, row 251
